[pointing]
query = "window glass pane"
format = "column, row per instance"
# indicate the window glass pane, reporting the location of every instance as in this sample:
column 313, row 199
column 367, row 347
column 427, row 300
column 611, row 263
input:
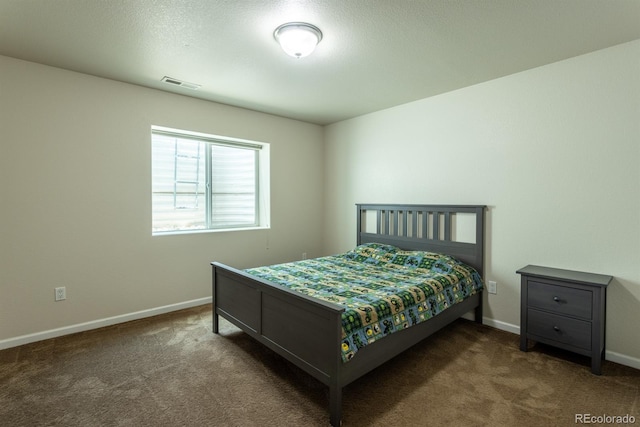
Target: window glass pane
column 233, row 186
column 178, row 184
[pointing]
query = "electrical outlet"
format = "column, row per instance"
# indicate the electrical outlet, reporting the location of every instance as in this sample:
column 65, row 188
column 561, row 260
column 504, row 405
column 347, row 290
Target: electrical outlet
column 492, row 287
column 61, row 293
column 304, row 255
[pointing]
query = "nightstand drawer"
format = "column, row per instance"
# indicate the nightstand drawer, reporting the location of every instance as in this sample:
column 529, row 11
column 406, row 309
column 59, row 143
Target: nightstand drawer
column 565, row 330
column 560, row 299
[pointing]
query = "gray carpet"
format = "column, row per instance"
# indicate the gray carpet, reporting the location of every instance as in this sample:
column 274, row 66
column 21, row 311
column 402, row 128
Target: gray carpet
column 171, row 370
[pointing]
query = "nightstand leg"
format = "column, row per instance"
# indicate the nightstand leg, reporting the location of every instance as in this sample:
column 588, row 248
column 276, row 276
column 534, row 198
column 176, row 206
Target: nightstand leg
column 523, row 313
column 523, row 342
column 596, row 364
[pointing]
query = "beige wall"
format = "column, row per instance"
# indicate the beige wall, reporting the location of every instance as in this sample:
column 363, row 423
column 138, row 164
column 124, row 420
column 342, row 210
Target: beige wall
column 75, row 169
column 554, row 152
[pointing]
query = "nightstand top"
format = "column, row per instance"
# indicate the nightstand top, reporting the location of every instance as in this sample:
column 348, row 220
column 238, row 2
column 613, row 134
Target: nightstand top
column 569, row 275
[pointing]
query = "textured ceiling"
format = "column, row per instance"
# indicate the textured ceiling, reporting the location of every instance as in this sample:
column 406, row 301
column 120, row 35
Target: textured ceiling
column 375, row 54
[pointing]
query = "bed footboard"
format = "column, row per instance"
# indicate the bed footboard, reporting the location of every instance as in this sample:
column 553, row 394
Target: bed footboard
column 282, row 320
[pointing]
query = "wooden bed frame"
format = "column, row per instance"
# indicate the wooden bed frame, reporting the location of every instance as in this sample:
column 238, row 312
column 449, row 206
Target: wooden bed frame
column 281, row 319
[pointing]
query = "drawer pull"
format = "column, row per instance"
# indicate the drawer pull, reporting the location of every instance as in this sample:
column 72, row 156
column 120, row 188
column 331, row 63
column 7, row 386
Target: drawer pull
column 556, row 299
column 557, row 329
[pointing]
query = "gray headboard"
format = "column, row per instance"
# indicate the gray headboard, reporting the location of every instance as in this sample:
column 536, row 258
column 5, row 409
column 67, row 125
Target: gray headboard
column 424, row 228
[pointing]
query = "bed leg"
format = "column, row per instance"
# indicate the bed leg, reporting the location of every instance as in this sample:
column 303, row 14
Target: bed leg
column 215, row 321
column 213, row 301
column 478, row 312
column 335, row 405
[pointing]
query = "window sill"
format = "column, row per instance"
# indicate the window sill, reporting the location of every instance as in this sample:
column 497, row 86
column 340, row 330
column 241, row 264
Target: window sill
column 208, row 230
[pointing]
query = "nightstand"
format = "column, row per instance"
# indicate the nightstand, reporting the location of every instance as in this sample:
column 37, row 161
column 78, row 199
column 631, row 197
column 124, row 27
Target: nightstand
column 565, row 309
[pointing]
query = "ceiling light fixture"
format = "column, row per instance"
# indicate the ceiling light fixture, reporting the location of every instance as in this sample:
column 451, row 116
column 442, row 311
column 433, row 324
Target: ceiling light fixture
column 298, row 39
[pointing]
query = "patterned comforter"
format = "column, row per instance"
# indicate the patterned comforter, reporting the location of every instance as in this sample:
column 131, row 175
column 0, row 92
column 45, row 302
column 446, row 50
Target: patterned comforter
column 382, row 288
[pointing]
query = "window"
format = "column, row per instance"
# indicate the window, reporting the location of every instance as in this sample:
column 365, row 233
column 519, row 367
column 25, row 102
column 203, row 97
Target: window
column 207, row 182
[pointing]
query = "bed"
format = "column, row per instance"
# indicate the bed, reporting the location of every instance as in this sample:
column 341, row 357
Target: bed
column 281, row 318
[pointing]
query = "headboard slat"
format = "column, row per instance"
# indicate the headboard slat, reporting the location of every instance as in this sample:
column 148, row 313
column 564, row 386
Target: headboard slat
column 394, row 232
column 405, row 216
column 425, row 224
column 414, row 224
column 436, row 226
column 447, row 226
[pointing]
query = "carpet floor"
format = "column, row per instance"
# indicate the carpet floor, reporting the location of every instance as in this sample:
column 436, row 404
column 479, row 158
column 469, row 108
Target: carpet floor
column 171, row 370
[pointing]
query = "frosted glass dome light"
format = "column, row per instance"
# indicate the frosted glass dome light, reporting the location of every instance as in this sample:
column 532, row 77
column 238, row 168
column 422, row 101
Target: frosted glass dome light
column 298, row 39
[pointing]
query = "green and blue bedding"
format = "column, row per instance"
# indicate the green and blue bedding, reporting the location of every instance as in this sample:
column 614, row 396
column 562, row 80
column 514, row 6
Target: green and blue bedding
column 383, row 288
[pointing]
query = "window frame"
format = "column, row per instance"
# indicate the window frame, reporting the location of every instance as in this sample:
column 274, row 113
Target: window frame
column 261, row 184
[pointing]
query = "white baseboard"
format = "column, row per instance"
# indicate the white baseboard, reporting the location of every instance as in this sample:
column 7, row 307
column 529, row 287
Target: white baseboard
column 100, row 323
column 622, row 359
column 503, row 326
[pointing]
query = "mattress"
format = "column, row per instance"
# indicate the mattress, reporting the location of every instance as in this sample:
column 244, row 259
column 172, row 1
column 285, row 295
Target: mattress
column 382, row 288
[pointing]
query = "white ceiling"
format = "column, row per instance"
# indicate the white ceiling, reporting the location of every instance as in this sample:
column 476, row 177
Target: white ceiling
column 375, row 54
